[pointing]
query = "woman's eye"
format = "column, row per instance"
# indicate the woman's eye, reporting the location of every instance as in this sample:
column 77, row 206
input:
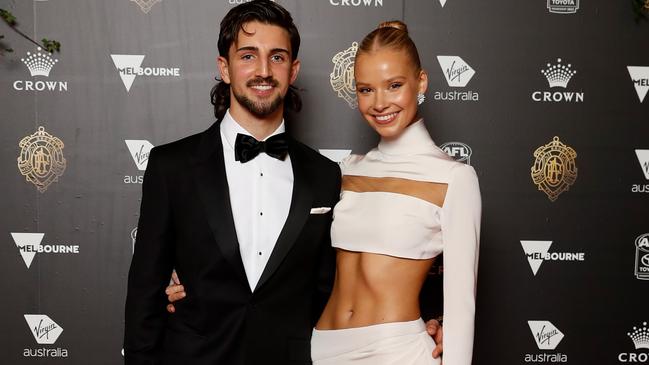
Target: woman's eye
column 363, row 90
column 395, row 85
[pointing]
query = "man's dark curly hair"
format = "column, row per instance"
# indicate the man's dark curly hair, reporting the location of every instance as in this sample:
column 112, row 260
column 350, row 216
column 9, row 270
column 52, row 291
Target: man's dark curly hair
column 263, row 11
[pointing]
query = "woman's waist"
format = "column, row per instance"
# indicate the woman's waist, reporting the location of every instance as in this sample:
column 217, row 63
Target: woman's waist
column 363, row 308
column 368, row 340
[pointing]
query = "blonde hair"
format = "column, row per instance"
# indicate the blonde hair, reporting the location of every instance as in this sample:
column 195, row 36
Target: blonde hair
column 391, row 34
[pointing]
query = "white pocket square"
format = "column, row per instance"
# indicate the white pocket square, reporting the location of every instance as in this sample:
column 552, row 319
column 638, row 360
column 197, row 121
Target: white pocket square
column 321, row 210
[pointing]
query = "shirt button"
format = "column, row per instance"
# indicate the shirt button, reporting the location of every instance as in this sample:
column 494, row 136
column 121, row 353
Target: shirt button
column 261, row 174
column 261, row 213
column 259, row 253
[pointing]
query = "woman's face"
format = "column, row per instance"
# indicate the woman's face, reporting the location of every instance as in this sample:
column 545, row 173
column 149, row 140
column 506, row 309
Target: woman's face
column 386, row 87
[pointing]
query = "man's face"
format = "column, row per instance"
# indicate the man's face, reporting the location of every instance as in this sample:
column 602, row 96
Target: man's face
column 259, row 70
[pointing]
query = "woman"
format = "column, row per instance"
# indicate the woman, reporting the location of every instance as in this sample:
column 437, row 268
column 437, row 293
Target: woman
column 402, row 204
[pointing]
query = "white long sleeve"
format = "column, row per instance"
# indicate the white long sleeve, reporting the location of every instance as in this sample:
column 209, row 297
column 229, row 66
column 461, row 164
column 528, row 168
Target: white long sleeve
column 460, row 234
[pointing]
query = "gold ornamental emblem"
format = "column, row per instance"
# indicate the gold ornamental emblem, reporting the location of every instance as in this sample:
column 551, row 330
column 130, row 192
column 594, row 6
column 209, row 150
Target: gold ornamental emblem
column 554, row 169
column 41, row 159
column 342, row 76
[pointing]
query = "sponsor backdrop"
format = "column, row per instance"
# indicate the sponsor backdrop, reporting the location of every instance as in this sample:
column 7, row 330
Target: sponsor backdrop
column 545, row 98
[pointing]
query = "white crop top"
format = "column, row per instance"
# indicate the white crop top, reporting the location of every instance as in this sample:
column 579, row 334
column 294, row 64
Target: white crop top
column 404, row 225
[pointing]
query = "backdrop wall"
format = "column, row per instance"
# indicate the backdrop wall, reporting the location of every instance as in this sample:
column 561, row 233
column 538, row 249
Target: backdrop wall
column 544, row 98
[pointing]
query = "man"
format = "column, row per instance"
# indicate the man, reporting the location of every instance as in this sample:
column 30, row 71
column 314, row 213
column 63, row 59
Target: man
column 245, row 224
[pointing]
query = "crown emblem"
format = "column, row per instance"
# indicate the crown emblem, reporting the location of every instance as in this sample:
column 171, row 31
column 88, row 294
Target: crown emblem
column 640, row 336
column 558, row 75
column 342, row 76
column 40, row 63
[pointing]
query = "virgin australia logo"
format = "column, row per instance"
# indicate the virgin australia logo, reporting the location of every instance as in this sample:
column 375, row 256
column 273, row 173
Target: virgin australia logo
column 458, row 73
column 44, row 329
column 546, row 335
column 643, row 159
column 139, row 150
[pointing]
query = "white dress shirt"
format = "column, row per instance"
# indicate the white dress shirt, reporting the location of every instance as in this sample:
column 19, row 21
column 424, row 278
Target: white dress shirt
column 260, row 196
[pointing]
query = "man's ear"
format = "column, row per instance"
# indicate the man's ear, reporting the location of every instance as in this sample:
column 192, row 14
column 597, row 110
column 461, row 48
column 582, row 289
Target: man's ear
column 295, row 69
column 224, row 69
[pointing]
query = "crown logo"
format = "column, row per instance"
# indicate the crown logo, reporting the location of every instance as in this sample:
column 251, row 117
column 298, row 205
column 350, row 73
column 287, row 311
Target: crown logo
column 558, row 75
column 640, row 337
column 40, row 63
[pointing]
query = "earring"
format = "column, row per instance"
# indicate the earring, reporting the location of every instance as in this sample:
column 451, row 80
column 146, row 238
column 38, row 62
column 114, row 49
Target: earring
column 421, row 98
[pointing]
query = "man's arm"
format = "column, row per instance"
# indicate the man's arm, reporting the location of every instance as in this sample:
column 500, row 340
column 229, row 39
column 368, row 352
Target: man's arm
column 150, row 269
column 327, row 264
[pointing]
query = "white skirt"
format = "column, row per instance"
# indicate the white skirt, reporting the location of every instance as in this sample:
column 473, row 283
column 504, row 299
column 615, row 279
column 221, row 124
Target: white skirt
column 398, row 343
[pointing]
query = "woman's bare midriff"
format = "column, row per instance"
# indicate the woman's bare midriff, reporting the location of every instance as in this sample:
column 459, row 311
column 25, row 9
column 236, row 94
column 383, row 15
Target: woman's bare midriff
column 372, row 289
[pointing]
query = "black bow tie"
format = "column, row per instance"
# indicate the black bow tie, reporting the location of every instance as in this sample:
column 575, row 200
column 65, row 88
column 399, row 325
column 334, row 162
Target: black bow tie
column 246, row 147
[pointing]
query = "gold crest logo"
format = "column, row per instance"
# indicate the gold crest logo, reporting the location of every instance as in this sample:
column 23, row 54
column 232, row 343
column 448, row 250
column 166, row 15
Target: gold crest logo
column 554, row 169
column 41, row 159
column 146, row 5
column 342, row 76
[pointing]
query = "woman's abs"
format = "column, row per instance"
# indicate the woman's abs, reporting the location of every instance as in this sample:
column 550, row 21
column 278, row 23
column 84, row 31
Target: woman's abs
column 372, row 288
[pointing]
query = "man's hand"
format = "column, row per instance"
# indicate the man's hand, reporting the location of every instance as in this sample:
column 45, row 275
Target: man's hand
column 174, row 292
column 434, row 329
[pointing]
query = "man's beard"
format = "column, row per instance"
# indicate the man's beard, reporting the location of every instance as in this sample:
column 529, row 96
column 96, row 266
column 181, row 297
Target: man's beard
column 264, row 108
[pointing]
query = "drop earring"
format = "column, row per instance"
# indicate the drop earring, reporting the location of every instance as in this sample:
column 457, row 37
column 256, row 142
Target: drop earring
column 421, row 98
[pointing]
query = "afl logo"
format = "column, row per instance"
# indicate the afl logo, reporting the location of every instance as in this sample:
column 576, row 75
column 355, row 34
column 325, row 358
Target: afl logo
column 554, row 170
column 458, row 151
column 642, row 257
column 41, row 159
column 342, row 76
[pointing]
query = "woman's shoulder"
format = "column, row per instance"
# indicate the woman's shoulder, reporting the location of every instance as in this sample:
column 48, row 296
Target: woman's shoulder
column 350, row 161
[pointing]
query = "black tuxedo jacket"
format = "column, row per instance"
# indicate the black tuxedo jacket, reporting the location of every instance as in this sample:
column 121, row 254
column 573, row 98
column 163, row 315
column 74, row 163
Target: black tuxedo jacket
column 186, row 223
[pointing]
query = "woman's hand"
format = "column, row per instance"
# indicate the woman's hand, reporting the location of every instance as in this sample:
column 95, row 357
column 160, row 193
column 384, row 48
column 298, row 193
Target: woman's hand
column 435, row 330
column 175, row 291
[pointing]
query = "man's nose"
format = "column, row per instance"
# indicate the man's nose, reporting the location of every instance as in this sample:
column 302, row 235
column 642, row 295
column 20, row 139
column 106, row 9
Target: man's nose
column 263, row 68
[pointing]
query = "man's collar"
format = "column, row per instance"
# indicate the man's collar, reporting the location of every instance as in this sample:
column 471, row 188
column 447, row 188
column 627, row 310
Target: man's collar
column 230, row 128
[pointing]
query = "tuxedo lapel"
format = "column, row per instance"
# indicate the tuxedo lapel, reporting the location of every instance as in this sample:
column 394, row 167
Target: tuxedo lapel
column 298, row 214
column 212, row 187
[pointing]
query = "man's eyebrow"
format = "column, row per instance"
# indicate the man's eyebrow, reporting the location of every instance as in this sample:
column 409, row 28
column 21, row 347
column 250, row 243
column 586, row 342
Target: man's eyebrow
column 281, row 50
column 256, row 49
column 248, row 48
